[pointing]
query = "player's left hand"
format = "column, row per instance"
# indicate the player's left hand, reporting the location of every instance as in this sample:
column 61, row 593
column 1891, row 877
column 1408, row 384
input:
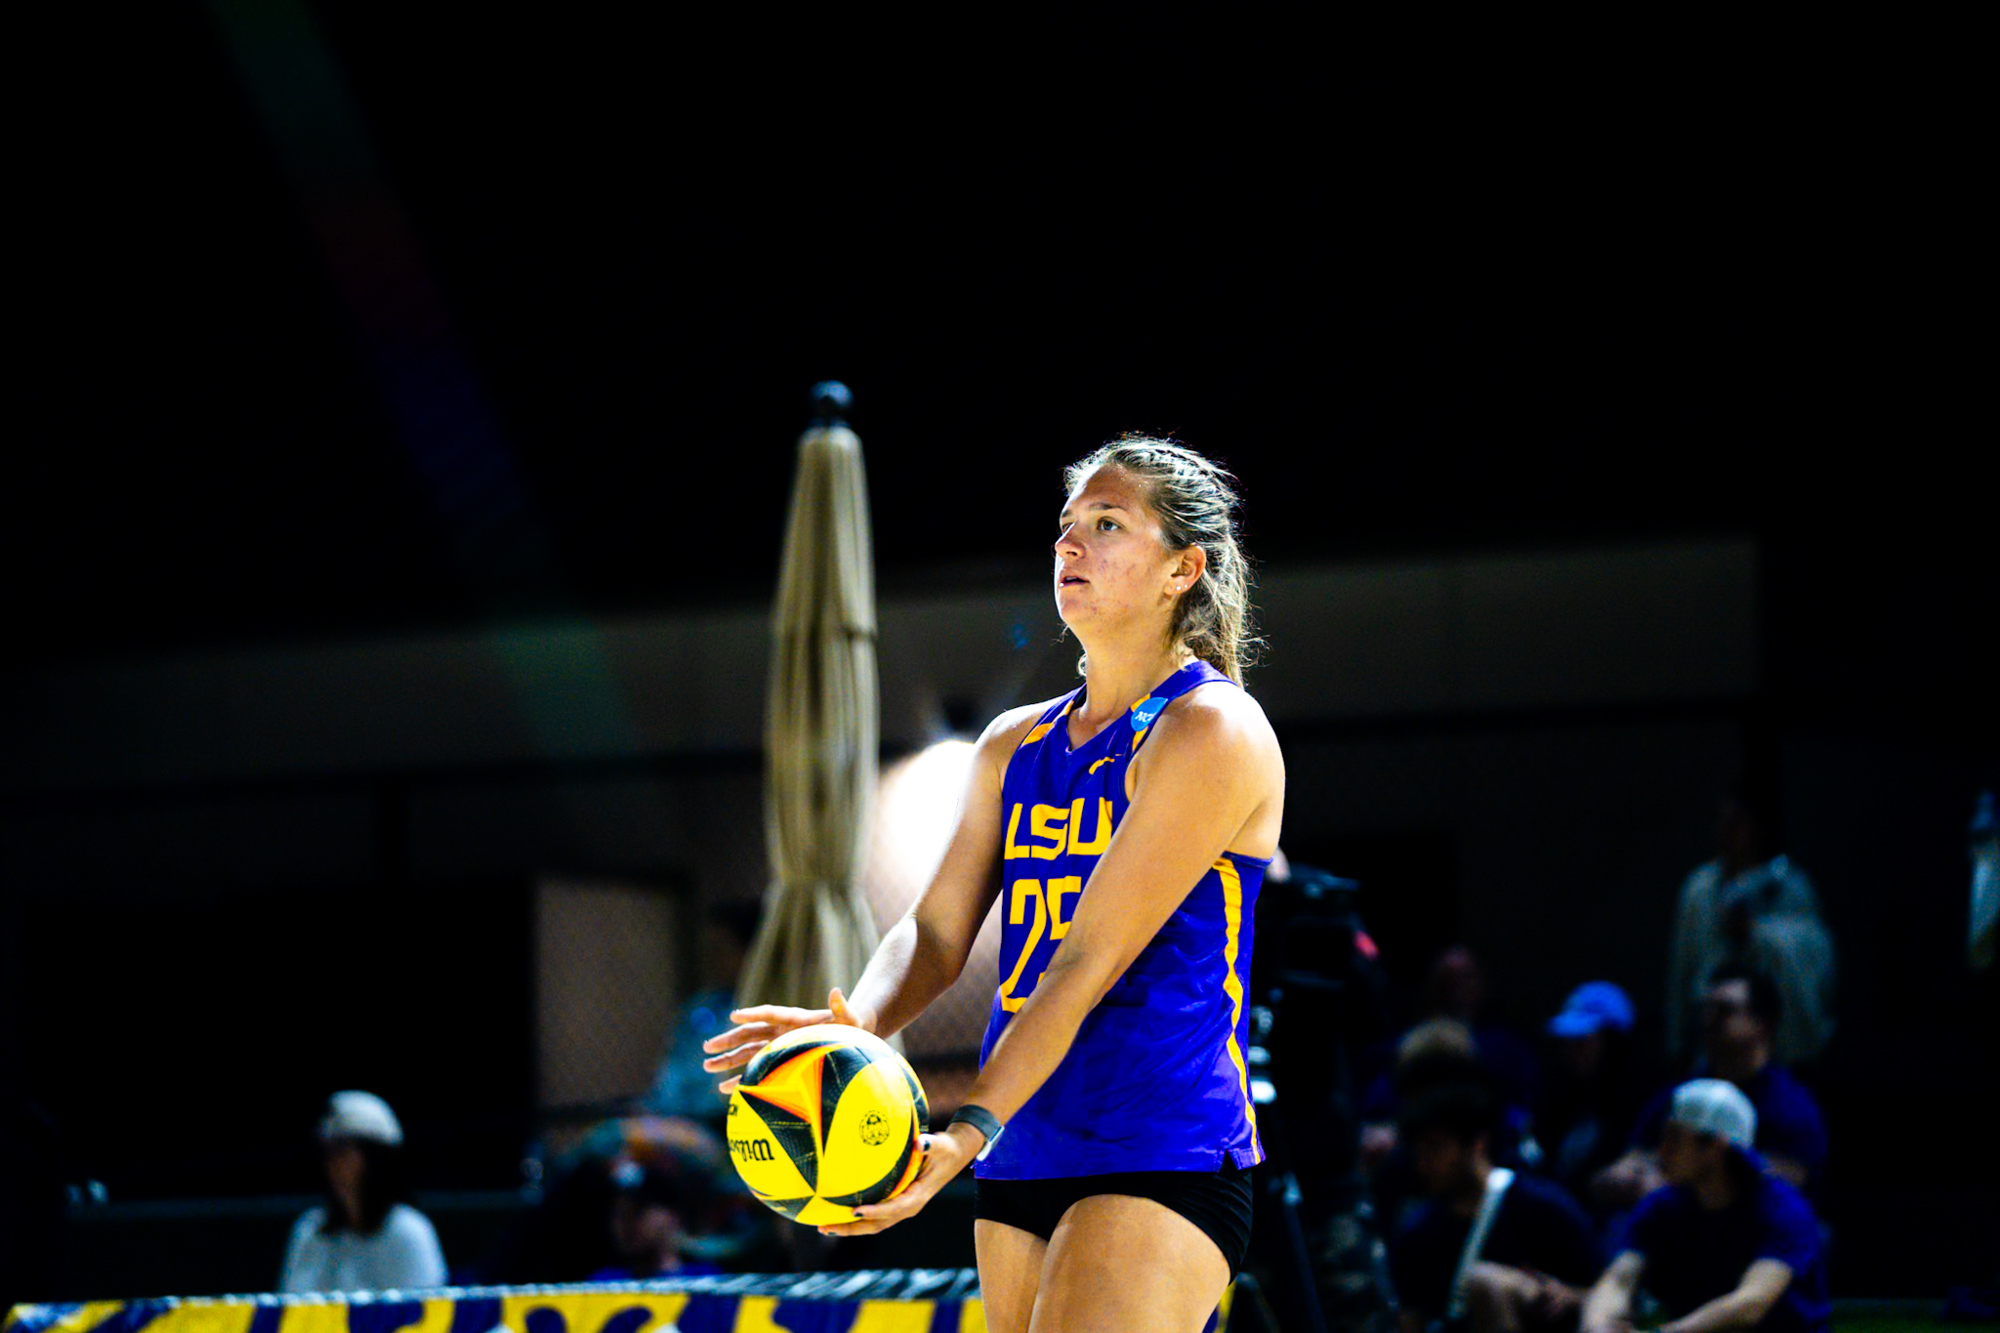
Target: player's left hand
column 945, row 1155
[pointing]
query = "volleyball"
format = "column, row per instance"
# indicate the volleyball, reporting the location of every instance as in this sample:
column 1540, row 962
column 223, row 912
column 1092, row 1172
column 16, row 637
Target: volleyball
column 826, row 1119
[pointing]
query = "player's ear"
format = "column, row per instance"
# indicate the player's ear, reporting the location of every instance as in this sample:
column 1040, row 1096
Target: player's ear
column 1188, row 568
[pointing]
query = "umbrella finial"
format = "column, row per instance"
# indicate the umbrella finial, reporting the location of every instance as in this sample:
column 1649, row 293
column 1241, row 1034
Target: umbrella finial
column 831, row 400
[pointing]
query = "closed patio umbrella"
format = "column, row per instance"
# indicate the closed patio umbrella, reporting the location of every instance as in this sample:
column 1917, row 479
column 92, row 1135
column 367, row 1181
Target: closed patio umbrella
column 821, row 728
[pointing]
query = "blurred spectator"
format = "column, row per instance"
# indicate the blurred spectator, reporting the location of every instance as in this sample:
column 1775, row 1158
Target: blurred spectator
column 1452, row 1003
column 1738, row 1017
column 651, row 1206
column 569, row 1235
column 366, row 1237
column 1456, row 988
column 1433, row 1055
column 682, row 1087
column 1590, row 1094
column 1753, row 907
column 1723, row 1244
column 1439, row 1050
column 563, row 1238
column 1530, row 1262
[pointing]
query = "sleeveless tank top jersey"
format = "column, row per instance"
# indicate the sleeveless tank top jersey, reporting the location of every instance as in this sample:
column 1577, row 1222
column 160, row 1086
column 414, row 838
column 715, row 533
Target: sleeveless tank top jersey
column 1156, row 1079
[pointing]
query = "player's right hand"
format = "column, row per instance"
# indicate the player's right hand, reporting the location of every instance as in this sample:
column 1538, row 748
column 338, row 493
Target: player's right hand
column 761, row 1024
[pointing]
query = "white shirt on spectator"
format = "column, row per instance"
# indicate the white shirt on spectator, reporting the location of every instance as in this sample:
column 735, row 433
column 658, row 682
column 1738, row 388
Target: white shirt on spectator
column 403, row 1254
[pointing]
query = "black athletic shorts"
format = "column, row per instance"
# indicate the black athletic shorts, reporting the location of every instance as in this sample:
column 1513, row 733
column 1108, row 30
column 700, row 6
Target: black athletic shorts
column 1217, row 1202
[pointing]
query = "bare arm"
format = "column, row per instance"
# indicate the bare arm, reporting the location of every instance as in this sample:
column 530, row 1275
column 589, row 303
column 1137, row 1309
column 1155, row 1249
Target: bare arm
column 923, row 953
column 1608, row 1308
column 1763, row 1283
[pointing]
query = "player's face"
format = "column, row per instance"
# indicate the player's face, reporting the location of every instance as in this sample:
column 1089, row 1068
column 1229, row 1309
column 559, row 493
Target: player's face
column 1110, row 563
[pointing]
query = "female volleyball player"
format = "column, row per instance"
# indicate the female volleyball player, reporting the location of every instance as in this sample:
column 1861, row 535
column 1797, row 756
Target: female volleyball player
column 1125, row 828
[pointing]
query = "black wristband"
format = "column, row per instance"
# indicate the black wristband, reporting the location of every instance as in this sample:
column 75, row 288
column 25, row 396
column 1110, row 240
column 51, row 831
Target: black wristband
column 980, row 1119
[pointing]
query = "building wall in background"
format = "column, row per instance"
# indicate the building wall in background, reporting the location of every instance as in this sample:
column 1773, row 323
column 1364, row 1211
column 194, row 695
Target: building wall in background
column 1561, row 721
column 608, row 965
column 1562, row 629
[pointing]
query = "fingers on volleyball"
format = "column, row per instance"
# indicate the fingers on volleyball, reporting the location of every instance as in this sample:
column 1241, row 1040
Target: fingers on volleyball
column 827, row 1119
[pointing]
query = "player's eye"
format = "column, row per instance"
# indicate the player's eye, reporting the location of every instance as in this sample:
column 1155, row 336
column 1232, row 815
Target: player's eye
column 1107, row 525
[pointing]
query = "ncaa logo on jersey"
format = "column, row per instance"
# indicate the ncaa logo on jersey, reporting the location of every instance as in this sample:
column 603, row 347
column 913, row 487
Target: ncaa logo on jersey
column 1145, row 711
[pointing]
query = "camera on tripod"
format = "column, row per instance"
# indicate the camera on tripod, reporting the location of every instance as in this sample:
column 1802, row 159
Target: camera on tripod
column 1319, row 997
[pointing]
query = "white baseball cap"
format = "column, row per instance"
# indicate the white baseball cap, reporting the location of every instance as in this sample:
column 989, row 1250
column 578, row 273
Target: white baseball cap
column 1715, row 1106
column 360, row 1115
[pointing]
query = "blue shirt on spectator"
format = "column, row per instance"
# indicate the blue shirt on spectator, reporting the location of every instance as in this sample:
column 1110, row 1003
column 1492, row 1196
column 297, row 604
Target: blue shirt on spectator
column 1694, row 1255
column 1789, row 1124
column 1539, row 1228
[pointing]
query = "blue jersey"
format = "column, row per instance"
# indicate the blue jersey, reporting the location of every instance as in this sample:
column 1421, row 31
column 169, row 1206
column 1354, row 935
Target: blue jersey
column 1156, row 1079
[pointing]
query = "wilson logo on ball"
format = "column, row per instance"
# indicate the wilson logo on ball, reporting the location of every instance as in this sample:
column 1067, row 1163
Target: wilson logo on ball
column 826, row 1119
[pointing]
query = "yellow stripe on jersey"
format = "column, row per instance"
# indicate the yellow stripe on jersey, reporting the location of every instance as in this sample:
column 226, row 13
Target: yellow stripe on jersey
column 1232, row 985
column 1048, row 726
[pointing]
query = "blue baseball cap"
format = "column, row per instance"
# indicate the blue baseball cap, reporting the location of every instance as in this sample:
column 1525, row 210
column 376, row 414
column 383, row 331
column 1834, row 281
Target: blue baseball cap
column 1593, row 1007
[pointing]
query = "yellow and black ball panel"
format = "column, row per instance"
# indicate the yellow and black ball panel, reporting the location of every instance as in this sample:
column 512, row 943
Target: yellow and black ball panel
column 763, row 1159
column 922, row 1107
column 826, row 1118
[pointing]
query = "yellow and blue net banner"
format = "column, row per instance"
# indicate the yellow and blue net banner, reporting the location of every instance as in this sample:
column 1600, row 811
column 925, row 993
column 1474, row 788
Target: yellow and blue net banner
column 901, row 1301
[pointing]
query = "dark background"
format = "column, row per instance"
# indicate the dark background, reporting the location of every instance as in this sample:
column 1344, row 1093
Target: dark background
column 354, row 320
column 363, row 316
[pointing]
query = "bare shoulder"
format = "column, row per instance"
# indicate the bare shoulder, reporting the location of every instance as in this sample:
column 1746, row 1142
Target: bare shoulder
column 1216, row 740
column 1219, row 717
column 1013, row 725
column 1219, row 731
column 1004, row 734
